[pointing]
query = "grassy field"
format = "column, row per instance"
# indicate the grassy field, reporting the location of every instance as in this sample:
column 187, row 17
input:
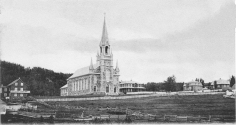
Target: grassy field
column 170, row 105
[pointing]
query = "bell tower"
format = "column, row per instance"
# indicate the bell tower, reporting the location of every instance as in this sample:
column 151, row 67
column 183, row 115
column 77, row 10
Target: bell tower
column 105, row 59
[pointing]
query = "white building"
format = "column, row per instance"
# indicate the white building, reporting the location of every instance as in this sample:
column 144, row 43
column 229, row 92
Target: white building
column 192, row 86
column 64, row 90
column 99, row 78
column 131, row 86
column 220, row 84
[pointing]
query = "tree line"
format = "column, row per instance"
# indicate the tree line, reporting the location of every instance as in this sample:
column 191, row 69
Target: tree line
column 168, row 85
column 171, row 85
column 40, row 81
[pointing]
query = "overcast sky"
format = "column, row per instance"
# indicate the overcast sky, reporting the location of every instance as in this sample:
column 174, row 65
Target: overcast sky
column 151, row 39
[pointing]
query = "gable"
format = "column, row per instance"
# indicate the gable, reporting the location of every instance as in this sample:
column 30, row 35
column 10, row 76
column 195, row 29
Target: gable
column 16, row 81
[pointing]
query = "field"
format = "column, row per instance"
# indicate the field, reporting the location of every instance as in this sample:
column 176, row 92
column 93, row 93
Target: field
column 170, row 105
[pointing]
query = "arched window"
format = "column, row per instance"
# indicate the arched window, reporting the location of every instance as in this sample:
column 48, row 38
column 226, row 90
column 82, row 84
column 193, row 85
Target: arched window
column 101, row 49
column 106, row 49
column 107, row 89
column 115, row 90
column 94, row 88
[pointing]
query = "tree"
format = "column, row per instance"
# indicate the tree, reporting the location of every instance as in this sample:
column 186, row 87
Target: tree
column 41, row 119
column 215, row 85
column 202, row 81
column 38, row 80
column 232, row 81
column 170, row 83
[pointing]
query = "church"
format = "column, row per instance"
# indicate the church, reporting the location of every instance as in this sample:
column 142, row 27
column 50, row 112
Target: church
column 99, row 78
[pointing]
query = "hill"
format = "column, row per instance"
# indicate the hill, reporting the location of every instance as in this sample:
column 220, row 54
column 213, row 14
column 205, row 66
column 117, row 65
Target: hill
column 39, row 81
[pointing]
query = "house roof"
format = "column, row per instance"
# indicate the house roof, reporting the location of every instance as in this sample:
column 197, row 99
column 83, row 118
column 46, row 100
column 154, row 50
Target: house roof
column 83, row 71
column 65, row 86
column 193, row 83
column 14, row 81
column 221, row 81
column 123, row 82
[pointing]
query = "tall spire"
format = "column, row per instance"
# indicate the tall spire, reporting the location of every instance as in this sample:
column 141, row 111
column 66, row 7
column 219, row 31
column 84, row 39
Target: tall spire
column 104, row 40
column 91, row 64
column 117, row 67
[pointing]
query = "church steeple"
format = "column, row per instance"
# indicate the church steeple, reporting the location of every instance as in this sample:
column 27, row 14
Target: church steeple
column 91, row 65
column 104, row 40
column 117, row 67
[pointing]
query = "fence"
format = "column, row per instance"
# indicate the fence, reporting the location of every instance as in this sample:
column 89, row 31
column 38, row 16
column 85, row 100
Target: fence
column 163, row 118
column 128, row 97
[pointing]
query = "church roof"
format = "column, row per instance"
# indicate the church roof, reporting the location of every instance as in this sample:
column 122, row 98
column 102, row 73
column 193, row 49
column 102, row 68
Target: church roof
column 65, row 86
column 83, row 71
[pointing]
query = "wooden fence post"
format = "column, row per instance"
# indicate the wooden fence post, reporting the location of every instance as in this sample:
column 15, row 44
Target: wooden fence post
column 210, row 118
column 164, row 117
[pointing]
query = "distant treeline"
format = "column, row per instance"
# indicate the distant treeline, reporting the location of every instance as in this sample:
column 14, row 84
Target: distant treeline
column 168, row 85
column 39, row 81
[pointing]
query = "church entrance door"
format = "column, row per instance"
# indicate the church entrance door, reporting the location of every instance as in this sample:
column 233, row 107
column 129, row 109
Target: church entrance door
column 107, row 89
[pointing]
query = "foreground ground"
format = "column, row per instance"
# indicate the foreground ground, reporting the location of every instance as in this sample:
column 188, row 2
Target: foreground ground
column 169, row 105
column 153, row 109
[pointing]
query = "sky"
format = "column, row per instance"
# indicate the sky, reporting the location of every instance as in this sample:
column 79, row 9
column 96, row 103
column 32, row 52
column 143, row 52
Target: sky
column 150, row 39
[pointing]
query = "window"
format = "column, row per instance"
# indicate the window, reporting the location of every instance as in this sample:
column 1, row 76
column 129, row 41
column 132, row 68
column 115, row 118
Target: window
column 15, row 95
column 21, row 84
column 106, row 49
column 5, row 94
column 21, row 95
column 107, row 89
column 76, row 86
column 72, row 86
column 5, row 89
column 15, row 89
column 79, row 84
column 21, row 89
column 115, row 90
column 16, row 84
column 94, row 88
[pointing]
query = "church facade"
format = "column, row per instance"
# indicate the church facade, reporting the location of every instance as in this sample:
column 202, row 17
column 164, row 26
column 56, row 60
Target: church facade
column 99, row 78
